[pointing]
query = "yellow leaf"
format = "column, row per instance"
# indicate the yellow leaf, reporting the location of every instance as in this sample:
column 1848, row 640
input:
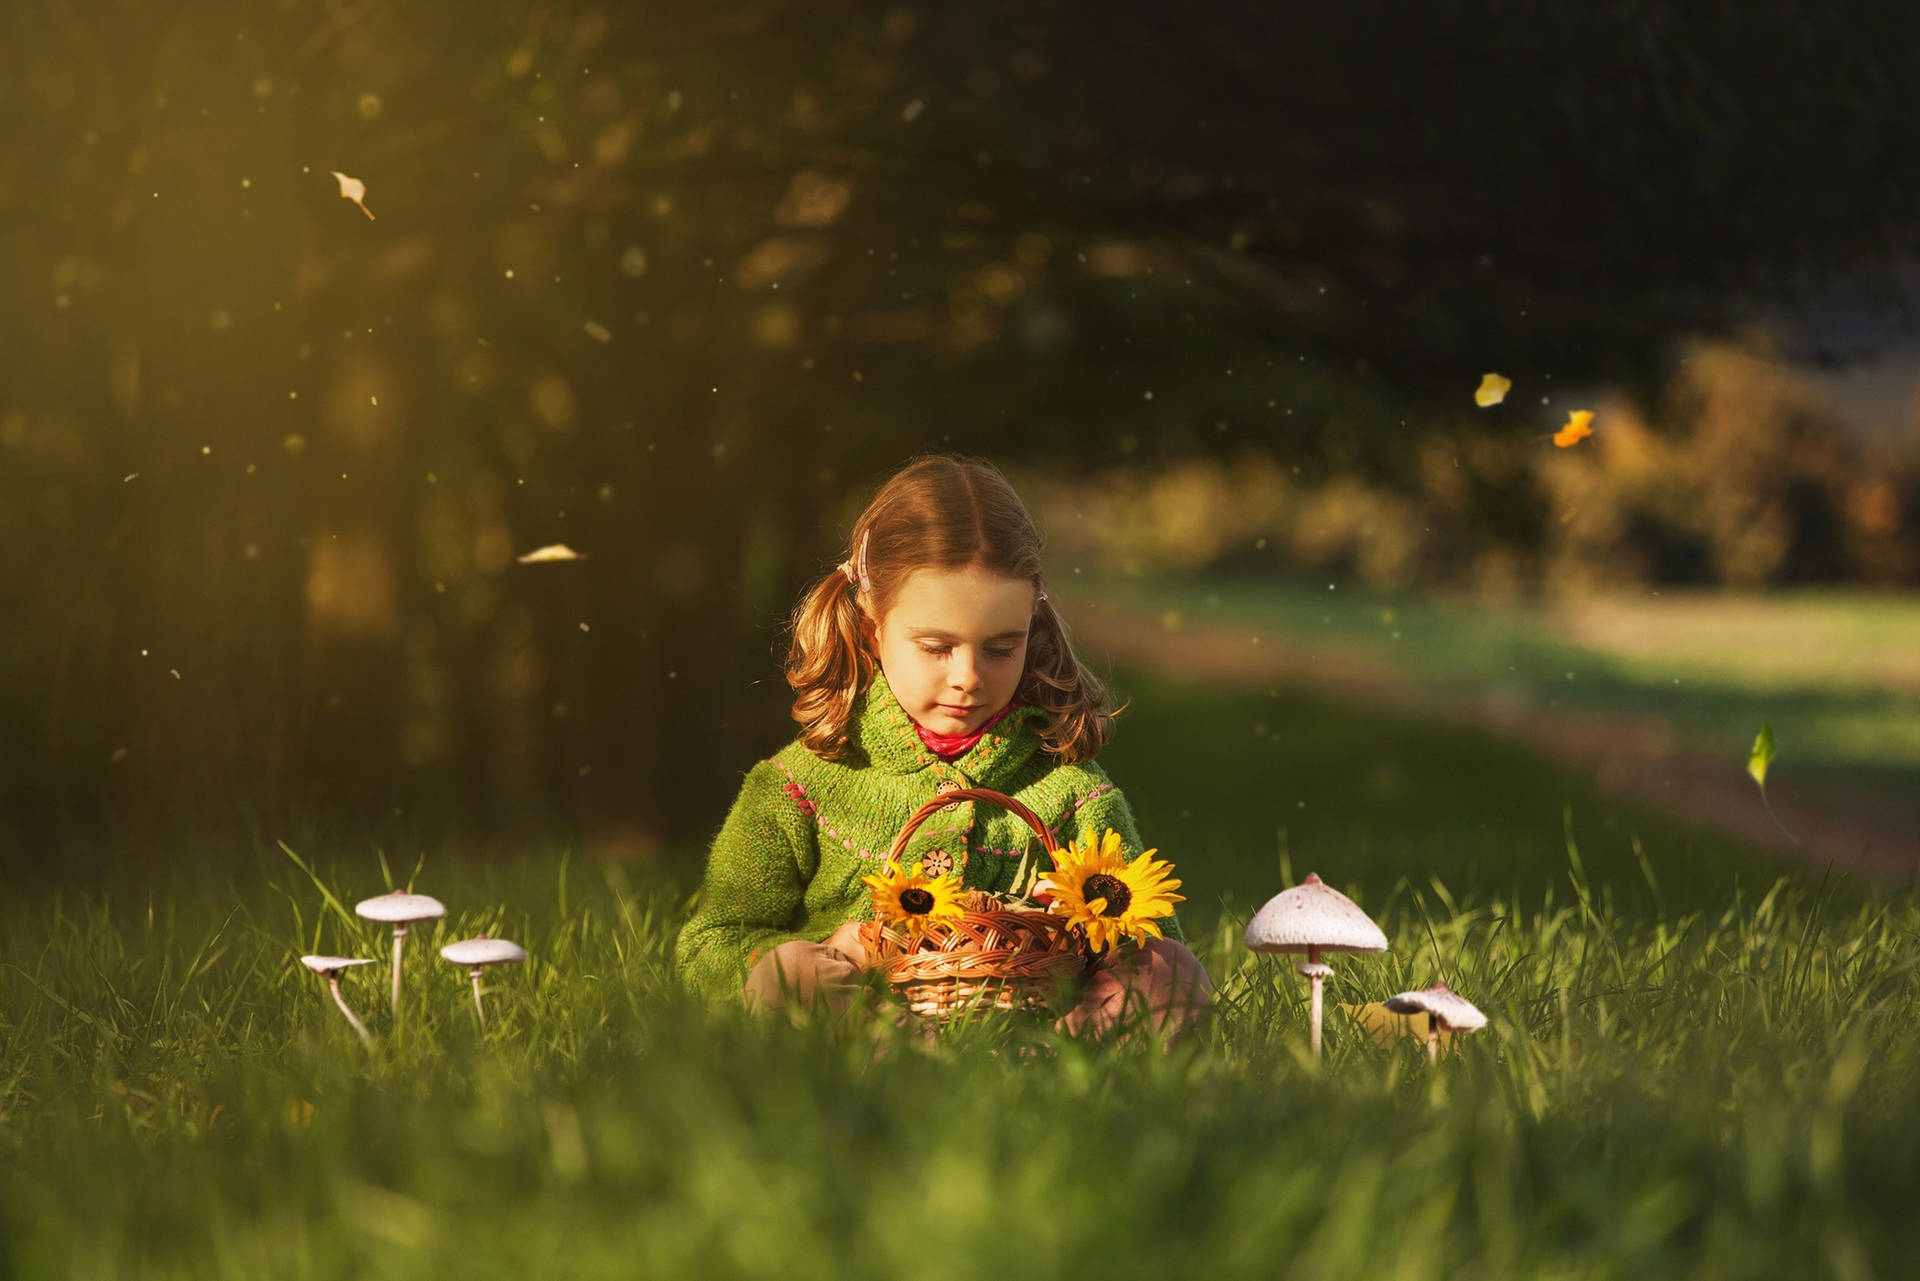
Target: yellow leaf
column 1762, row 754
column 353, row 189
column 1576, row 429
column 1386, row 1027
column 1492, row 390
column 553, row 551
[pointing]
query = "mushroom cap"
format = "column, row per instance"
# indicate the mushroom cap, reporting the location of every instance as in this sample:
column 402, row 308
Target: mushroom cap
column 1449, row 1010
column 1313, row 914
column 1315, row 969
column 400, row 908
column 484, row 951
column 332, row 964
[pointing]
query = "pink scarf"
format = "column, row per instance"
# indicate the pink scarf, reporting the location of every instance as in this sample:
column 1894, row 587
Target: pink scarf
column 949, row 746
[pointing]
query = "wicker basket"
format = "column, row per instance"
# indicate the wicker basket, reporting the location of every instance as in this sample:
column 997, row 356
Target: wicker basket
column 991, row 956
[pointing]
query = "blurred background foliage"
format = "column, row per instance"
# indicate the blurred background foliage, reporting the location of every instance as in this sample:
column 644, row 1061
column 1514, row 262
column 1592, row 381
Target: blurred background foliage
column 676, row 284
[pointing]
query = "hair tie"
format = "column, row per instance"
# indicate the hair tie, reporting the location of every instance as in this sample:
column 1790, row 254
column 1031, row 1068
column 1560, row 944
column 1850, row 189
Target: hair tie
column 856, row 569
column 1043, row 593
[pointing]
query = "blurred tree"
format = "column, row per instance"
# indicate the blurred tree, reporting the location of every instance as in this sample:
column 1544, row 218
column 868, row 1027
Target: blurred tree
column 675, row 284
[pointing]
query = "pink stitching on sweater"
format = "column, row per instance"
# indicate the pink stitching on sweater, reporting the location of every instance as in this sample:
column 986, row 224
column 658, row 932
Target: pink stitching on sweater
column 988, row 849
column 1098, row 789
column 798, row 794
column 1060, row 829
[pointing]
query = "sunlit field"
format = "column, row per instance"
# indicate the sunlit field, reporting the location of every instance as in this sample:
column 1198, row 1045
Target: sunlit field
column 1693, row 1068
column 1837, row 672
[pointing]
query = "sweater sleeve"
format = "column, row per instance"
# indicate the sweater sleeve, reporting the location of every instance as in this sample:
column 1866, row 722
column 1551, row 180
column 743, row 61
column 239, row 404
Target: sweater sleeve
column 1105, row 806
column 751, row 896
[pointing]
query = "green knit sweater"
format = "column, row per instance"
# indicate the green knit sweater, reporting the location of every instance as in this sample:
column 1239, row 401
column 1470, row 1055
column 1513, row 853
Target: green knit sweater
column 803, row 831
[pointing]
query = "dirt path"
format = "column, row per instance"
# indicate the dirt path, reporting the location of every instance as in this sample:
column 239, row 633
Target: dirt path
column 1632, row 756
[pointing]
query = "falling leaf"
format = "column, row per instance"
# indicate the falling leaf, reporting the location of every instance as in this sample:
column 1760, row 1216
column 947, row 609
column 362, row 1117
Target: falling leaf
column 1576, row 429
column 1762, row 754
column 553, row 551
column 353, row 189
column 1492, row 390
column 1758, row 758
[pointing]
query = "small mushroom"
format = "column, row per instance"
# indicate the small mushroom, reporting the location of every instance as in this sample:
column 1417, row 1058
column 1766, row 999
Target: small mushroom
column 1446, row 1011
column 399, row 909
column 331, row 967
column 1313, row 917
column 477, row 954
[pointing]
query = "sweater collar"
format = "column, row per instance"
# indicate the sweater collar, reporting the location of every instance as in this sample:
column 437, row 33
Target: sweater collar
column 889, row 737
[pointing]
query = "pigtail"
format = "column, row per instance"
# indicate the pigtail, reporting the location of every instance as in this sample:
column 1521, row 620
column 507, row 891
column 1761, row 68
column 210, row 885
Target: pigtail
column 828, row 663
column 1079, row 710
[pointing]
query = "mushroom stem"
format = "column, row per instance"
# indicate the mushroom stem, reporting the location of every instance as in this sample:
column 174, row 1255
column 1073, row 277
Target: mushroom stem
column 333, row 981
column 1313, row 958
column 399, row 944
column 1433, row 1039
column 478, row 1008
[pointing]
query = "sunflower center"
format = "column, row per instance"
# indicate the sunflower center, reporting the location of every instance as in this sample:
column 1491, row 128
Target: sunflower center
column 1110, row 888
column 916, row 901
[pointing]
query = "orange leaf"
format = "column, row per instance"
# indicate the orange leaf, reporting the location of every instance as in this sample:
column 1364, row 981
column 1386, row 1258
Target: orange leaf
column 1576, row 429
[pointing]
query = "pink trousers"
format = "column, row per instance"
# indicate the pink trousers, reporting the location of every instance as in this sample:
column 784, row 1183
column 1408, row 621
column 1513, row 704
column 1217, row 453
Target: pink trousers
column 1162, row 982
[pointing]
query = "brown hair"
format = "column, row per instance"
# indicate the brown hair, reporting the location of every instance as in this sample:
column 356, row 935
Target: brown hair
column 944, row 512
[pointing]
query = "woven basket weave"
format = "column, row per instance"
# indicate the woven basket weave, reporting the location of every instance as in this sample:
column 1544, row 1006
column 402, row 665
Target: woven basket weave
column 990, row 956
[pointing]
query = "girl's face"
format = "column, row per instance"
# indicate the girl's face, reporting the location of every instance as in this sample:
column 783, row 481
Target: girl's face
column 954, row 645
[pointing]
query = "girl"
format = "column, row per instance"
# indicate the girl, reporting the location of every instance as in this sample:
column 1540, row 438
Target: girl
column 929, row 661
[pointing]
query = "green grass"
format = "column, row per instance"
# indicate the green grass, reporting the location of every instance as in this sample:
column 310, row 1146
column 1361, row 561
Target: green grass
column 1811, row 662
column 1693, row 1069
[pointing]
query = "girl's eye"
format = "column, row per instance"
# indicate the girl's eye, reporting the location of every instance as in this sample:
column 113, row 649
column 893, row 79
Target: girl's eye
column 941, row 650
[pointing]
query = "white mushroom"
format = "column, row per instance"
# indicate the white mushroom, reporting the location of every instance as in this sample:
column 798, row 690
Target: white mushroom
column 399, row 909
column 1313, row 917
column 331, row 966
column 478, row 953
column 1446, row 1011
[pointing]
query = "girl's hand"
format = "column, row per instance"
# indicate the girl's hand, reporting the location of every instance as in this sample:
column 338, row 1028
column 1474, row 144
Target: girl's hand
column 846, row 941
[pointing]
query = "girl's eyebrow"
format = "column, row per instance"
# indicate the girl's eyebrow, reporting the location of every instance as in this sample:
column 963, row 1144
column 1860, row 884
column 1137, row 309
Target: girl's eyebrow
column 937, row 634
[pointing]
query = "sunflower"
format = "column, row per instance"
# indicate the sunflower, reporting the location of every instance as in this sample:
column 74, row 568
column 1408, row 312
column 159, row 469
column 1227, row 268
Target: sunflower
column 1107, row 898
column 912, row 900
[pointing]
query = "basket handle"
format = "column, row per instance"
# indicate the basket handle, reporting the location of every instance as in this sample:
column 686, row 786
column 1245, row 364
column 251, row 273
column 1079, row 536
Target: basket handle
column 940, row 802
